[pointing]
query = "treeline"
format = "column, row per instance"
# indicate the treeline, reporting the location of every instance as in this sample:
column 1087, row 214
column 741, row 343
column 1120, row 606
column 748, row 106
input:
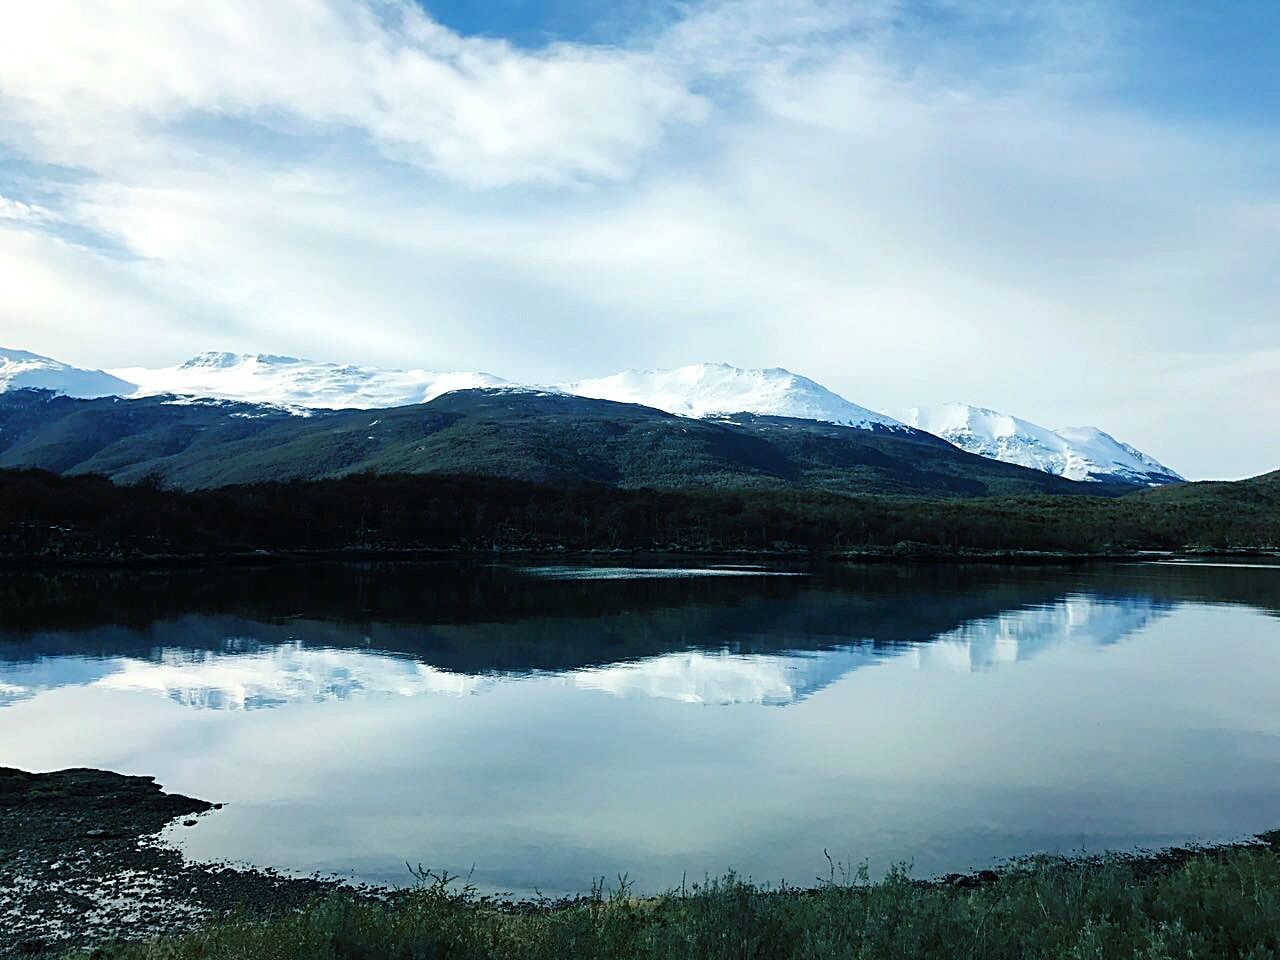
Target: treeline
column 43, row 515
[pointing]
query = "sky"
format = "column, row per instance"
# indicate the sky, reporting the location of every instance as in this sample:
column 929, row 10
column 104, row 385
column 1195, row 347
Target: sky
column 1069, row 211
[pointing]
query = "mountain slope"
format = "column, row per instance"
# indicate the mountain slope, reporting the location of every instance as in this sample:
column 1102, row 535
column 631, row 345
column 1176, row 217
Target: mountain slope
column 1228, row 496
column 697, row 391
column 1077, row 453
column 509, row 433
column 290, row 382
column 20, row 370
column 715, row 389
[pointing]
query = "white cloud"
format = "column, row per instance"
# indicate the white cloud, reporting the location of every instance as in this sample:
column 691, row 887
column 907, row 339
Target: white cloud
column 84, row 79
column 87, row 306
column 25, row 212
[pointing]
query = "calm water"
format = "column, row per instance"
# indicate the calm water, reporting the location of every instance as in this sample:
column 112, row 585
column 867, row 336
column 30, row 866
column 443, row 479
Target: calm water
column 548, row 725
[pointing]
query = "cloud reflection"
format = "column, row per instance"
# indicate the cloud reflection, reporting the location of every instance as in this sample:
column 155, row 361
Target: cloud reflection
column 245, row 675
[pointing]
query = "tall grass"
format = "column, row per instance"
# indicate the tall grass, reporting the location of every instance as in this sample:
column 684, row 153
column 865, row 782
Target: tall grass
column 1212, row 905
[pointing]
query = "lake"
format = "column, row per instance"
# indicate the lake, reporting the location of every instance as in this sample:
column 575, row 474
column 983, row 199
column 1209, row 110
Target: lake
column 540, row 727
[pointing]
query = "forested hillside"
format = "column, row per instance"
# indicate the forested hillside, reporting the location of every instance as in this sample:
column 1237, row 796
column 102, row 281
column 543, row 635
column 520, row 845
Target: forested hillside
column 52, row 517
column 516, row 435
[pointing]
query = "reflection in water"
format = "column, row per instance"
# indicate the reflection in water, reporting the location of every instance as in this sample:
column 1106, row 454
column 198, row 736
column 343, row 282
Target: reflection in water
column 549, row 729
column 270, row 677
column 653, row 573
column 724, row 678
column 246, row 673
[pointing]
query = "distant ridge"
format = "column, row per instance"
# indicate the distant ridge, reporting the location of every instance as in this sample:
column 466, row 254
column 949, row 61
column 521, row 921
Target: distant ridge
column 716, row 389
column 22, row 370
column 498, row 432
column 292, row 382
column 703, row 391
column 1077, row 453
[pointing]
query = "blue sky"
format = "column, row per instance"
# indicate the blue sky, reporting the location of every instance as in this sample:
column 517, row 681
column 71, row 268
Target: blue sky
column 1213, row 62
column 535, row 23
column 1066, row 210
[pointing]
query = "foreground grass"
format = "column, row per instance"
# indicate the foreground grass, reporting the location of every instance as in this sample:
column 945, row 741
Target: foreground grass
column 1211, row 904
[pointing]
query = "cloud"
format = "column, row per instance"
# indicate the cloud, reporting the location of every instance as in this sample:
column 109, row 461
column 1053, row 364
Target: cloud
column 88, row 307
column 84, row 79
column 30, row 213
column 911, row 203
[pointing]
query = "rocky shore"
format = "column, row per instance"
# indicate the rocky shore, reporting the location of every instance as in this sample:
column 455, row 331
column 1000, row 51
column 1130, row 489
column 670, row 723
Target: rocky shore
column 80, row 864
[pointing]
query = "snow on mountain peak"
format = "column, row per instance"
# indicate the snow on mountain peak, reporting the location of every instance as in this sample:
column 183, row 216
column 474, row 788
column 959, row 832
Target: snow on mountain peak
column 1076, row 453
column 696, row 390
column 20, row 369
column 292, row 382
column 214, row 359
column 712, row 389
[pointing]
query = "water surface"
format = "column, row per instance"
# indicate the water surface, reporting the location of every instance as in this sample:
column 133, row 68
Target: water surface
column 548, row 726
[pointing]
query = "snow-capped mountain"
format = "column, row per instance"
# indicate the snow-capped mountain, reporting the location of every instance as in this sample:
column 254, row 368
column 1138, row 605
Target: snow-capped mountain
column 1077, row 453
column 698, row 390
column 291, row 382
column 20, row 369
column 711, row 389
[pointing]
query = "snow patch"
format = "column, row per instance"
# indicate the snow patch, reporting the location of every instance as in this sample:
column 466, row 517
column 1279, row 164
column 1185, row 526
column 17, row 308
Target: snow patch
column 1076, row 453
column 293, row 383
column 717, row 389
column 21, row 370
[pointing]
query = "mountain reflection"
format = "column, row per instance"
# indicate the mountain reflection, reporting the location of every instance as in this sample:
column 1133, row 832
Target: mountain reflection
column 245, row 665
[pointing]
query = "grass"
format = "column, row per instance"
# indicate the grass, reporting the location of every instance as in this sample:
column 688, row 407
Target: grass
column 1216, row 904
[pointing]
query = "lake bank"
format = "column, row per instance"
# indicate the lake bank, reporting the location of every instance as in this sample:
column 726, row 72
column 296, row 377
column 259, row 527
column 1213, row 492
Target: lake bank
column 907, row 552
column 80, row 863
column 82, row 866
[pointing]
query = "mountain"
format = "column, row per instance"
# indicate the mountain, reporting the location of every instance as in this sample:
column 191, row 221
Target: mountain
column 1077, row 453
column 497, row 432
column 294, row 383
column 715, row 389
column 22, row 370
column 698, row 391
column 706, row 391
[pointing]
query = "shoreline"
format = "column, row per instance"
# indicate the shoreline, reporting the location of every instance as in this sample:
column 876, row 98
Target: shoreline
column 909, row 553
column 81, row 864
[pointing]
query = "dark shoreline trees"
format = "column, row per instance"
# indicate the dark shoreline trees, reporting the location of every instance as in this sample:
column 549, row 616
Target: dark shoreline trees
column 49, row 517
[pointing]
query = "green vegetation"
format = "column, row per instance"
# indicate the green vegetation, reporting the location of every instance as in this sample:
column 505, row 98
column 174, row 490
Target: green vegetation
column 89, row 518
column 1207, row 904
column 529, row 437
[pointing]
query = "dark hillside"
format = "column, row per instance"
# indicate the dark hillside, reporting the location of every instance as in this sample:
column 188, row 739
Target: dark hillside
column 545, row 438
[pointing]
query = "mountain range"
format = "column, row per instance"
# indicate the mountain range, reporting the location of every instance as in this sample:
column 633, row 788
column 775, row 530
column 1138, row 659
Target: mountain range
column 707, row 393
column 510, row 433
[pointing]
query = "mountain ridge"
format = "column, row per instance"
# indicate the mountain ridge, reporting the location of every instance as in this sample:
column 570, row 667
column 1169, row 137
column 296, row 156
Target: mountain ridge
column 536, row 436
column 703, row 391
column 21, row 369
column 296, row 383
column 1077, row 453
